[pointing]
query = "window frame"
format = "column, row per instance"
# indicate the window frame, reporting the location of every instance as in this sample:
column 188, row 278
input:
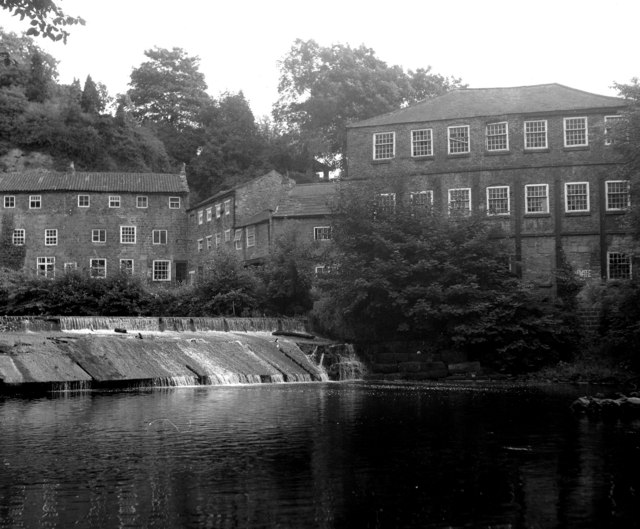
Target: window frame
column 386, row 203
column 426, row 193
column 124, row 236
column 378, row 153
column 35, row 201
column 227, row 207
column 174, row 203
column 629, row 263
column 237, row 238
column 166, row 272
column 566, row 131
column 9, row 202
column 609, row 193
column 142, row 201
column 319, row 231
column 451, row 140
column 98, row 232
column 15, row 236
column 209, row 214
column 227, row 235
column 81, row 199
column 200, row 217
column 449, row 201
column 200, row 245
column 115, row 201
column 128, row 270
column 157, row 237
column 43, row 264
column 566, row 197
column 218, row 210
column 615, row 118
column 528, row 134
column 421, row 142
column 250, row 236
column 504, row 134
column 527, row 197
column 218, row 238
column 209, row 241
column 66, row 267
column 51, row 237
column 489, row 198
column 93, row 269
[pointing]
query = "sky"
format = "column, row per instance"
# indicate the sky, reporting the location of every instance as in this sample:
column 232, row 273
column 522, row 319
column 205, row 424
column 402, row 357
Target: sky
column 584, row 44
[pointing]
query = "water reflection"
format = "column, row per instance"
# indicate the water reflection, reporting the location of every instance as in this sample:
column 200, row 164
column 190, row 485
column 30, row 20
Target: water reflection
column 316, row 455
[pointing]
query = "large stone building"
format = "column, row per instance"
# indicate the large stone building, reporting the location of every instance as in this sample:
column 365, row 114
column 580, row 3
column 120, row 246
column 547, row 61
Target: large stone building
column 536, row 160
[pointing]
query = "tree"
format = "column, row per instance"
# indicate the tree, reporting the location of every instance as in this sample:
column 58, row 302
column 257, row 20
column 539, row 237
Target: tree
column 90, row 101
column 38, row 82
column 321, row 89
column 47, row 19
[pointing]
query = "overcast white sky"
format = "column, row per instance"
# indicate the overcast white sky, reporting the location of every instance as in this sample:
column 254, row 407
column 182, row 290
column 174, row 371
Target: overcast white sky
column 585, row 44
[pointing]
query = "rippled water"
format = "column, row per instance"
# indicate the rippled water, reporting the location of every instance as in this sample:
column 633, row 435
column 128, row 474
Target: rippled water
column 332, row 455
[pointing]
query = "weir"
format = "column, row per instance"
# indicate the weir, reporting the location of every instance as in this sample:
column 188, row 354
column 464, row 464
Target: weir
column 76, row 353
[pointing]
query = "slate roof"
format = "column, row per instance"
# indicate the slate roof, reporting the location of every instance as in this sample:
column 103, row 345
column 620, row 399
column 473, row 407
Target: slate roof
column 307, row 200
column 34, row 181
column 477, row 102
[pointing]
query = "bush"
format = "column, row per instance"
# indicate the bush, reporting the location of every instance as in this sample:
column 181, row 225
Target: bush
column 620, row 324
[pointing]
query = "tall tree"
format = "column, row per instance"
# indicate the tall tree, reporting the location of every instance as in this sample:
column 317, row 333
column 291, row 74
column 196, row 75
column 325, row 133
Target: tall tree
column 321, row 89
column 38, row 82
column 90, row 101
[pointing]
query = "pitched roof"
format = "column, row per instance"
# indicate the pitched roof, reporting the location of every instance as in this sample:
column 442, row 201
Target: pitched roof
column 32, row 181
column 476, row 102
column 307, row 200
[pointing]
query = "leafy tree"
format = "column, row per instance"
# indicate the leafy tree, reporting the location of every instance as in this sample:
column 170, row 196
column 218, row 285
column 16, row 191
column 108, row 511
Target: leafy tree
column 321, row 89
column 90, row 101
column 38, row 82
column 47, row 19
column 17, row 71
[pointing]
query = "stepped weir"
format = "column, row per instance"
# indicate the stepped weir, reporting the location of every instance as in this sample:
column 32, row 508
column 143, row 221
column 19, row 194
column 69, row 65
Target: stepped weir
column 75, row 353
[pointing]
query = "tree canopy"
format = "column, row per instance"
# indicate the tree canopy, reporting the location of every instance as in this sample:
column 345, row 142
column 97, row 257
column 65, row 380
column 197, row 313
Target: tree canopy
column 46, row 18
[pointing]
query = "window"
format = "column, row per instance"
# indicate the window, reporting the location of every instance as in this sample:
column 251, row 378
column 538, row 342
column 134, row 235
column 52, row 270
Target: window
column 617, row 195
column 174, row 202
column 384, row 145
column 200, row 241
column 46, row 266
column 209, row 239
column 387, row 203
column 251, row 236
column 535, row 134
column 218, row 238
column 322, row 233
column 18, row 238
column 227, row 207
column 50, row 237
column 127, row 234
column 99, row 236
column 498, row 200
column 610, row 124
column 618, row 265
column 576, row 196
column 458, row 139
column 536, row 198
column 575, row 132
column 114, row 201
column 126, row 266
column 69, row 267
column 321, row 269
column 421, row 143
column 460, row 201
column 237, row 239
column 162, row 270
column 227, row 235
column 83, row 201
column 35, row 201
column 209, row 214
column 200, row 217
column 421, row 199
column 498, row 136
column 159, row 236
column 142, row 202
column 218, row 211
column 9, row 201
column 98, row 268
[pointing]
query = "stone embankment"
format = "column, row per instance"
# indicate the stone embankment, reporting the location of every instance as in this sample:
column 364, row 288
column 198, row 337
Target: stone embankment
column 599, row 406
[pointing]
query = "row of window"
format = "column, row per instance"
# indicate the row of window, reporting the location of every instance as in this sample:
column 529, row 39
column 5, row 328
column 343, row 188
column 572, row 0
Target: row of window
column 496, row 138
column 223, row 208
column 84, row 201
column 161, row 268
column 536, row 198
column 128, row 235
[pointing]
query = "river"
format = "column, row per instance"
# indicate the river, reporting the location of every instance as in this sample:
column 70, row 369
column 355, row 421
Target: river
column 317, row 455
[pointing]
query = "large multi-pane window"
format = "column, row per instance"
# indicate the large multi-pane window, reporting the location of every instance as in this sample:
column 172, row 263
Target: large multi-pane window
column 162, row 270
column 421, row 142
column 618, row 265
column 536, row 198
column 200, row 244
column 9, row 201
column 98, row 268
column 50, row 237
column 127, row 234
column 83, row 201
column 218, row 210
column 575, row 132
column 46, row 266
column 535, row 134
column 200, row 217
column 114, row 201
column 19, row 237
column 421, row 199
column 384, row 145
column 617, row 195
column 174, row 202
column 159, row 236
column 458, row 139
column 142, row 201
column 387, row 203
column 99, row 236
column 237, row 239
column 460, row 201
column 227, row 207
column 35, row 201
column 218, row 238
column 126, row 266
column 576, row 196
column 227, row 235
column 209, row 241
column 251, row 236
column 209, row 214
column 498, row 200
column 69, row 267
column 497, row 136
column 322, row 233
column 610, row 124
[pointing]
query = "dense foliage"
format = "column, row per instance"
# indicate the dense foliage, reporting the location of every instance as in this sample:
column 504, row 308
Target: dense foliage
column 620, row 326
column 46, row 18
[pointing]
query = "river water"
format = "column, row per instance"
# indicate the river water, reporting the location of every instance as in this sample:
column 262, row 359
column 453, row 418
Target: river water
column 321, row 455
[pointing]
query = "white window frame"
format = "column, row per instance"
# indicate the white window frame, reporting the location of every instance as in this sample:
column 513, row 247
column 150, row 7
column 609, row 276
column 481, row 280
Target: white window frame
column 418, row 203
column 529, row 135
column 227, row 207
column 454, row 143
column 161, row 274
column 227, row 235
column 569, row 130
column 490, row 198
column 218, row 211
column 209, row 239
column 128, row 235
column 200, row 244
column 609, row 193
column 96, row 235
column 82, row 203
column 450, row 202
column 70, row 266
column 421, row 147
column 209, row 214
column 174, row 202
column 35, row 201
column 527, row 197
column 158, row 236
column 607, row 129
column 567, row 185
column 19, row 237
column 200, row 217
column 114, row 201
column 142, row 202
column 386, row 202
column 491, row 137
column 97, row 271
column 126, row 269
column 321, row 269
column 624, row 259
column 9, row 201
column 381, row 150
column 51, row 237
column 322, row 233
column 251, row 236
column 237, row 239
column 46, row 266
